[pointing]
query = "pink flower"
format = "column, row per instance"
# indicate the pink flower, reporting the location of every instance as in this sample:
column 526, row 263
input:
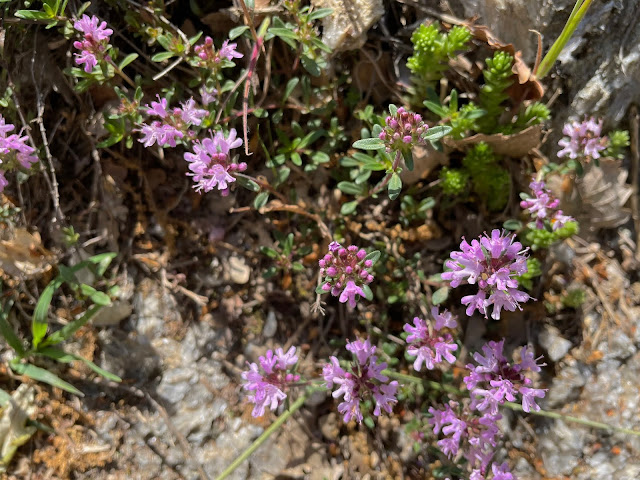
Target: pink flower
column 228, row 50
column 350, row 293
column 210, row 162
column 346, row 271
column 403, row 130
column 364, row 379
column 15, row 153
column 208, row 96
column 544, row 208
column 174, row 123
column 466, row 433
column 493, row 263
column 158, row 108
column 207, row 56
column 493, row 380
column 583, row 139
column 269, row 380
column 190, row 114
column 427, row 345
column 95, row 41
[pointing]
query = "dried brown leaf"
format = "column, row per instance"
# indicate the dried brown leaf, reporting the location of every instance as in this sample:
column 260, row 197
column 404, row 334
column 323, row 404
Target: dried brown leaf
column 516, row 145
column 23, row 254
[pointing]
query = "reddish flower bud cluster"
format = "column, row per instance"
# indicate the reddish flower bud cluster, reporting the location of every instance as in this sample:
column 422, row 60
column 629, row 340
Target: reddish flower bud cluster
column 403, row 130
column 345, row 271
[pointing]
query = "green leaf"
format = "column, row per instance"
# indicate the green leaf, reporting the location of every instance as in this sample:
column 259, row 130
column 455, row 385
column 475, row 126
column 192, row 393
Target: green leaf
column 269, row 252
column 70, row 328
column 440, row 295
column 102, row 261
column 7, row 332
column 373, row 256
column 320, row 13
column 247, row 183
column 296, row 159
column 319, row 289
column 349, row 207
column 368, row 421
column 310, row 65
column 320, row 157
column 512, row 224
column 237, row 31
column 283, row 33
column 437, row 132
column 427, row 204
column 369, row 144
column 368, row 294
column 395, row 186
column 261, row 200
column 161, row 56
column 127, row 60
column 393, row 109
column 436, row 108
column 39, row 317
column 62, row 356
column 195, row 38
column 32, row 15
column 291, row 85
column 350, row 188
column 42, row 375
column 100, row 298
column 408, row 159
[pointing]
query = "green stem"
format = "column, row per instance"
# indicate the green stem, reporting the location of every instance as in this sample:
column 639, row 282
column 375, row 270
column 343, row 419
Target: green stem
column 569, row 418
column 578, row 12
column 267, row 433
column 513, row 406
column 387, row 178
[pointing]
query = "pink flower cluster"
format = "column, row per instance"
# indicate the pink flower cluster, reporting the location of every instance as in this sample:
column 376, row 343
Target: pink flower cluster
column 95, row 41
column 211, row 164
column 544, row 207
column 269, row 380
column 476, row 437
column 493, row 263
column 345, row 271
column 13, row 148
column 207, row 56
column 494, row 380
column 362, row 381
column 403, row 130
column 583, row 139
column 173, row 124
column 427, row 344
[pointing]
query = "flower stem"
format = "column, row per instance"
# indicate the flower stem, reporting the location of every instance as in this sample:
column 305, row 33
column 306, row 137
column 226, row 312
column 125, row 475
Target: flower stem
column 387, row 178
column 266, row 434
column 578, row 12
column 569, row 418
column 513, row 406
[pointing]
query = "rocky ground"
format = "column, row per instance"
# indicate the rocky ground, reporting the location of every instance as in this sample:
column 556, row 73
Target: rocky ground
column 180, row 411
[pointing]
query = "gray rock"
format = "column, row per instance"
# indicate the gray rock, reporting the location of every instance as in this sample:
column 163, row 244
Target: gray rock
column 561, row 448
column 555, row 345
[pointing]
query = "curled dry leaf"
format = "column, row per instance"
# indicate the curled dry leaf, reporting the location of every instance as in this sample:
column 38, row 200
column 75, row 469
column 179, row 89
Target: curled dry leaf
column 597, row 200
column 516, row 145
column 346, row 28
column 22, row 254
column 13, row 429
column 527, row 87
